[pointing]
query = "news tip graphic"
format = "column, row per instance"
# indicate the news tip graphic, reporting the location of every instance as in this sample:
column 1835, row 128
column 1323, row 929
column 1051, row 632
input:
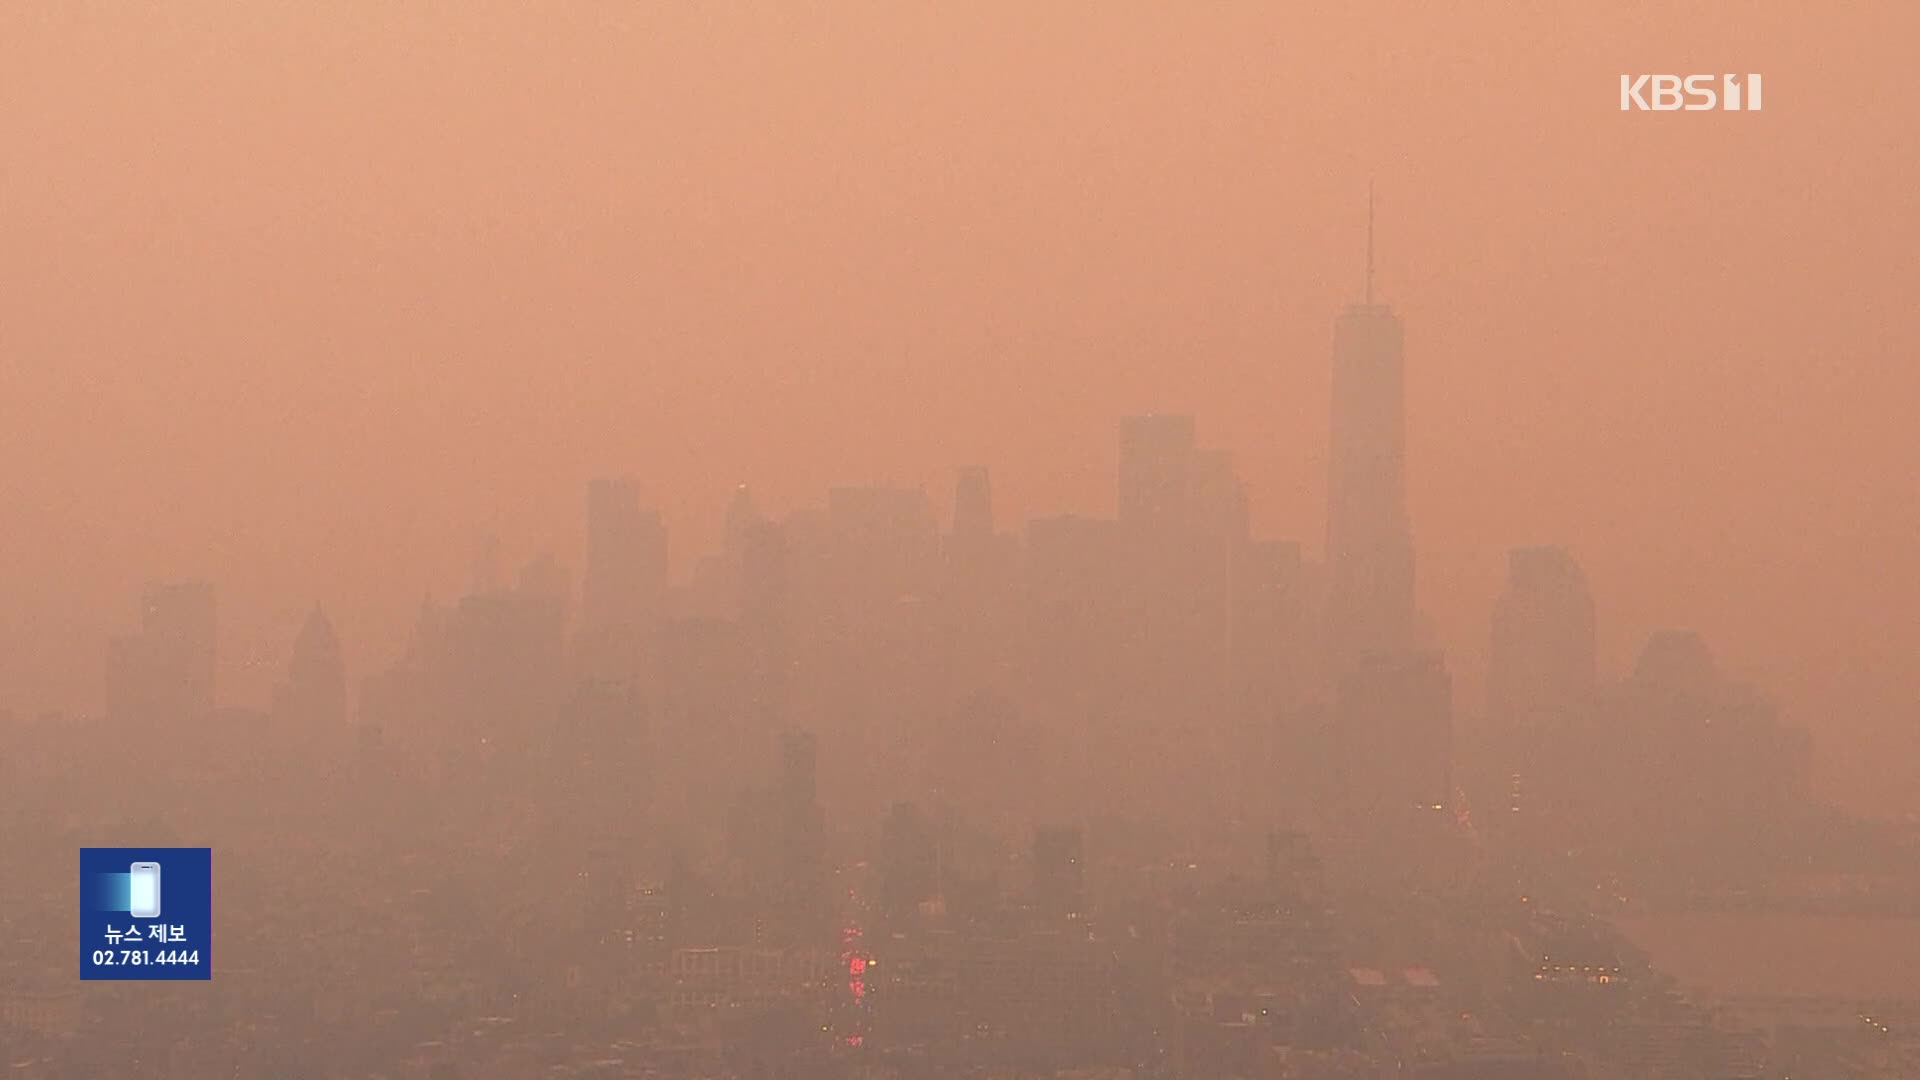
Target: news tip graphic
column 146, row 913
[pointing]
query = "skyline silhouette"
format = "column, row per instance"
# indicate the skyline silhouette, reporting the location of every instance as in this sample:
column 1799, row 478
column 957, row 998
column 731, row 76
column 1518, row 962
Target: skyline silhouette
column 310, row 319
column 1365, row 513
column 1167, row 633
column 859, row 541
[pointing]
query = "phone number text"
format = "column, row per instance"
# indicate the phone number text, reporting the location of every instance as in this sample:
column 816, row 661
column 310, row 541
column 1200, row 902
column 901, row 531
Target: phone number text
column 139, row 957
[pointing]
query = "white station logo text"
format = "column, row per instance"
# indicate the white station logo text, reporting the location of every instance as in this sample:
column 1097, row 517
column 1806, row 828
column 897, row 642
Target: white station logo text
column 1689, row 93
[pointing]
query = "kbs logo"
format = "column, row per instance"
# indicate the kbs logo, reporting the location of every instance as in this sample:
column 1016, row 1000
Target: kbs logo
column 1691, row 93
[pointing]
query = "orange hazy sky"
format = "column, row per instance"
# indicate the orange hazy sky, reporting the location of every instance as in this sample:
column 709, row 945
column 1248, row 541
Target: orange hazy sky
column 305, row 297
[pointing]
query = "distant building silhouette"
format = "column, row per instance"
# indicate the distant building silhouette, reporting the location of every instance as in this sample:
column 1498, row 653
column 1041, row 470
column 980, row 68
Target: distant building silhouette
column 1676, row 755
column 400, row 700
column 1180, row 527
column 1369, row 540
column 888, row 541
column 623, row 591
column 909, row 861
column 1072, row 584
column 503, row 661
column 1394, row 725
column 701, row 709
column 165, row 674
column 1276, row 640
column 1156, row 471
column 1204, row 620
column 1716, row 751
column 1540, row 675
column 881, row 573
column 779, row 835
column 973, row 508
column 978, row 595
column 1542, row 661
column 1677, row 673
column 743, row 517
column 763, row 619
column 314, row 695
column 1393, row 711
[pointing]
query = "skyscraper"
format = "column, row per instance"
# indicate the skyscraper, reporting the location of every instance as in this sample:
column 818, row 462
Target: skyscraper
column 1540, row 681
column 1072, row 578
column 165, row 674
column 888, row 539
column 700, row 713
column 881, row 576
column 977, row 608
column 1157, row 632
column 909, row 861
column 743, row 516
column 763, row 624
column 1217, row 505
column 1680, row 752
column 1394, row 727
column 800, row 895
column 623, row 589
column 314, row 697
column 1274, row 649
column 1156, row 466
column 1541, row 666
column 1369, row 540
column 973, row 508
column 502, row 661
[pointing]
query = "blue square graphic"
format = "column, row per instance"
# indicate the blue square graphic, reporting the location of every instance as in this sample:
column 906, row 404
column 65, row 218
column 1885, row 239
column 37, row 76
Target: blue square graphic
column 146, row 913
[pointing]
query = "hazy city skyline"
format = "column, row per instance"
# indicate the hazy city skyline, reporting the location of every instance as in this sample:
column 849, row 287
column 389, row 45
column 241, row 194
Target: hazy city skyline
column 253, row 333
column 840, row 540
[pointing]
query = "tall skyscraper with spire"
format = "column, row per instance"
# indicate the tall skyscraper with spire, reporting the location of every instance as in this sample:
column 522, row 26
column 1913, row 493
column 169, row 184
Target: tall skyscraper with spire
column 1369, row 540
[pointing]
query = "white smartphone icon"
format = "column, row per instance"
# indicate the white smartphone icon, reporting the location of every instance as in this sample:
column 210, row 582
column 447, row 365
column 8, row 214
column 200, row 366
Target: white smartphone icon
column 144, row 896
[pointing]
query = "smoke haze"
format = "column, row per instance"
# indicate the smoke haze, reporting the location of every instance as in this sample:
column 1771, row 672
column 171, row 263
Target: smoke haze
column 309, row 298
